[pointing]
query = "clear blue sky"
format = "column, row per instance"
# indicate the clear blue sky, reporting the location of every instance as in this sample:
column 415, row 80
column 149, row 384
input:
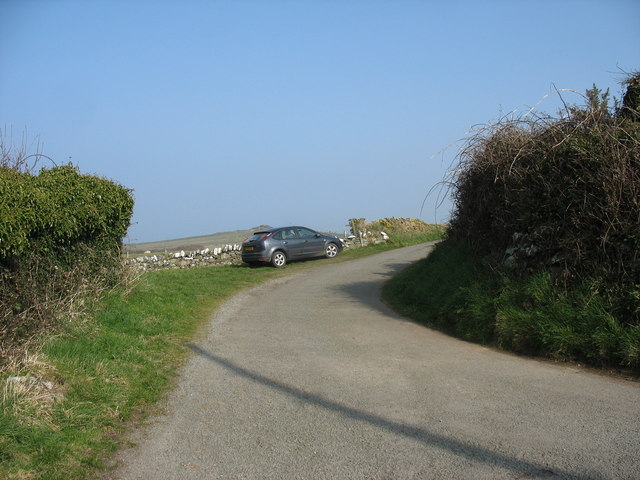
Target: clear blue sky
column 224, row 115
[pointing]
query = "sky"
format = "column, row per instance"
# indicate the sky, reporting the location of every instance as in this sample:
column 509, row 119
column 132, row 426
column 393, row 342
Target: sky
column 222, row 115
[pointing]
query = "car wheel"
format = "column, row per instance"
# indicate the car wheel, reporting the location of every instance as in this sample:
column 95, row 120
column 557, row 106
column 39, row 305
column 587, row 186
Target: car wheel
column 331, row 250
column 278, row 259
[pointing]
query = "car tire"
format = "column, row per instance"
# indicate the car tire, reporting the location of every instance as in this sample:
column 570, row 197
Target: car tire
column 331, row 250
column 278, row 259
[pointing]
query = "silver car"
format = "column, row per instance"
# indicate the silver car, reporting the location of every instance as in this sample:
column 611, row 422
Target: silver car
column 281, row 245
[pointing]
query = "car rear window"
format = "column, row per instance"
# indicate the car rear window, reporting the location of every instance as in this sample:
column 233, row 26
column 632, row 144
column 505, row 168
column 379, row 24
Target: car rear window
column 257, row 236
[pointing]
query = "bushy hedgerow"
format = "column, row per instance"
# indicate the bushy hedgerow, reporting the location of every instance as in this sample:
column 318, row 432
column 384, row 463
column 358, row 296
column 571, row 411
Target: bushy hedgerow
column 60, row 234
column 566, row 190
column 393, row 226
column 542, row 255
column 58, row 208
column 403, row 225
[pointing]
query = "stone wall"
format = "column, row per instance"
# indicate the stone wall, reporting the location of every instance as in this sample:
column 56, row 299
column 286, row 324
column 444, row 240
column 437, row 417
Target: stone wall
column 227, row 255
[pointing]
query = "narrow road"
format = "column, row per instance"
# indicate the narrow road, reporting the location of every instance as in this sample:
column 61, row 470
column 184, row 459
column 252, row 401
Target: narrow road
column 313, row 377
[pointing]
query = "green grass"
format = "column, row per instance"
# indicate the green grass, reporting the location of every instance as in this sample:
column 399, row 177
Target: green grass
column 449, row 290
column 110, row 368
column 453, row 291
column 536, row 317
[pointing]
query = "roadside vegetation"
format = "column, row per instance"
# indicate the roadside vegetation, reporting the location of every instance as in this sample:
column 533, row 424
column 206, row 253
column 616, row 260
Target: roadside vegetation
column 542, row 256
column 60, row 240
column 71, row 391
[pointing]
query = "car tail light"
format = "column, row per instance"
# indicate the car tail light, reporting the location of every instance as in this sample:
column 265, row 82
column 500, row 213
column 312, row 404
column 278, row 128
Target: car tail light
column 266, row 236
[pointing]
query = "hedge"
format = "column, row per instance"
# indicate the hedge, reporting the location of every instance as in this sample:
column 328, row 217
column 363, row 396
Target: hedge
column 58, row 208
column 568, row 186
column 60, row 239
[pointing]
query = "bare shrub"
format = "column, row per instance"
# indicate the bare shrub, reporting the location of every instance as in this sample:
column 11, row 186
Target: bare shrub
column 18, row 158
column 566, row 189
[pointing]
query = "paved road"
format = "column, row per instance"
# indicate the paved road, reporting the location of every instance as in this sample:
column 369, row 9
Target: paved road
column 312, row 377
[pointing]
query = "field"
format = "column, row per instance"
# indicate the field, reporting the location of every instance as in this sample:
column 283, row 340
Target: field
column 193, row 243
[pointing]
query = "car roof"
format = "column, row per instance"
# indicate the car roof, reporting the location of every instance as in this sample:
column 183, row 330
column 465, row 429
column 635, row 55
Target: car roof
column 275, row 229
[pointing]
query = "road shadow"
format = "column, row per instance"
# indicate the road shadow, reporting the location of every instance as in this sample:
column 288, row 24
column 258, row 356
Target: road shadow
column 476, row 453
column 369, row 292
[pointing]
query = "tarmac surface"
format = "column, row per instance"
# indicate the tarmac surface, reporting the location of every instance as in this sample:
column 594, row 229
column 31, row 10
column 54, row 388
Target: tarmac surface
column 312, row 377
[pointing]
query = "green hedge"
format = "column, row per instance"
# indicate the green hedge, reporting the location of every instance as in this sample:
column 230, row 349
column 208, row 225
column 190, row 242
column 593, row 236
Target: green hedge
column 60, row 238
column 59, row 208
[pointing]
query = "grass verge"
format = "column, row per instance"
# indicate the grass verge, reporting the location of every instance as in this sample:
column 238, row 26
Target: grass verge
column 453, row 291
column 64, row 409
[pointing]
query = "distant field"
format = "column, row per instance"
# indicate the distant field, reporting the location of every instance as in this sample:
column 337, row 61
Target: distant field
column 193, row 243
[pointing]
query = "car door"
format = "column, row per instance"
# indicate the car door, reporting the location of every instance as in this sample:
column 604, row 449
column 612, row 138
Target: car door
column 291, row 243
column 313, row 244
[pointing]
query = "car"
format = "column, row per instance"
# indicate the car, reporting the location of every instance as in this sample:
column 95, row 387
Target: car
column 281, row 245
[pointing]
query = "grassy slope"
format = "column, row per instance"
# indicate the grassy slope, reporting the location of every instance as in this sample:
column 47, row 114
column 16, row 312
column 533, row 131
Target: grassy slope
column 455, row 292
column 447, row 291
column 110, row 366
column 114, row 365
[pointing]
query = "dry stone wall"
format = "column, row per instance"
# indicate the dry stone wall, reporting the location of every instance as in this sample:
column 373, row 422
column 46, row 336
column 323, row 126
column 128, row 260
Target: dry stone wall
column 226, row 255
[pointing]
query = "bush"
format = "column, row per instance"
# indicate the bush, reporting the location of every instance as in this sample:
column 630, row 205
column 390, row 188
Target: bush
column 401, row 231
column 542, row 255
column 60, row 235
column 574, row 184
column 557, row 194
column 392, row 225
column 58, row 208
